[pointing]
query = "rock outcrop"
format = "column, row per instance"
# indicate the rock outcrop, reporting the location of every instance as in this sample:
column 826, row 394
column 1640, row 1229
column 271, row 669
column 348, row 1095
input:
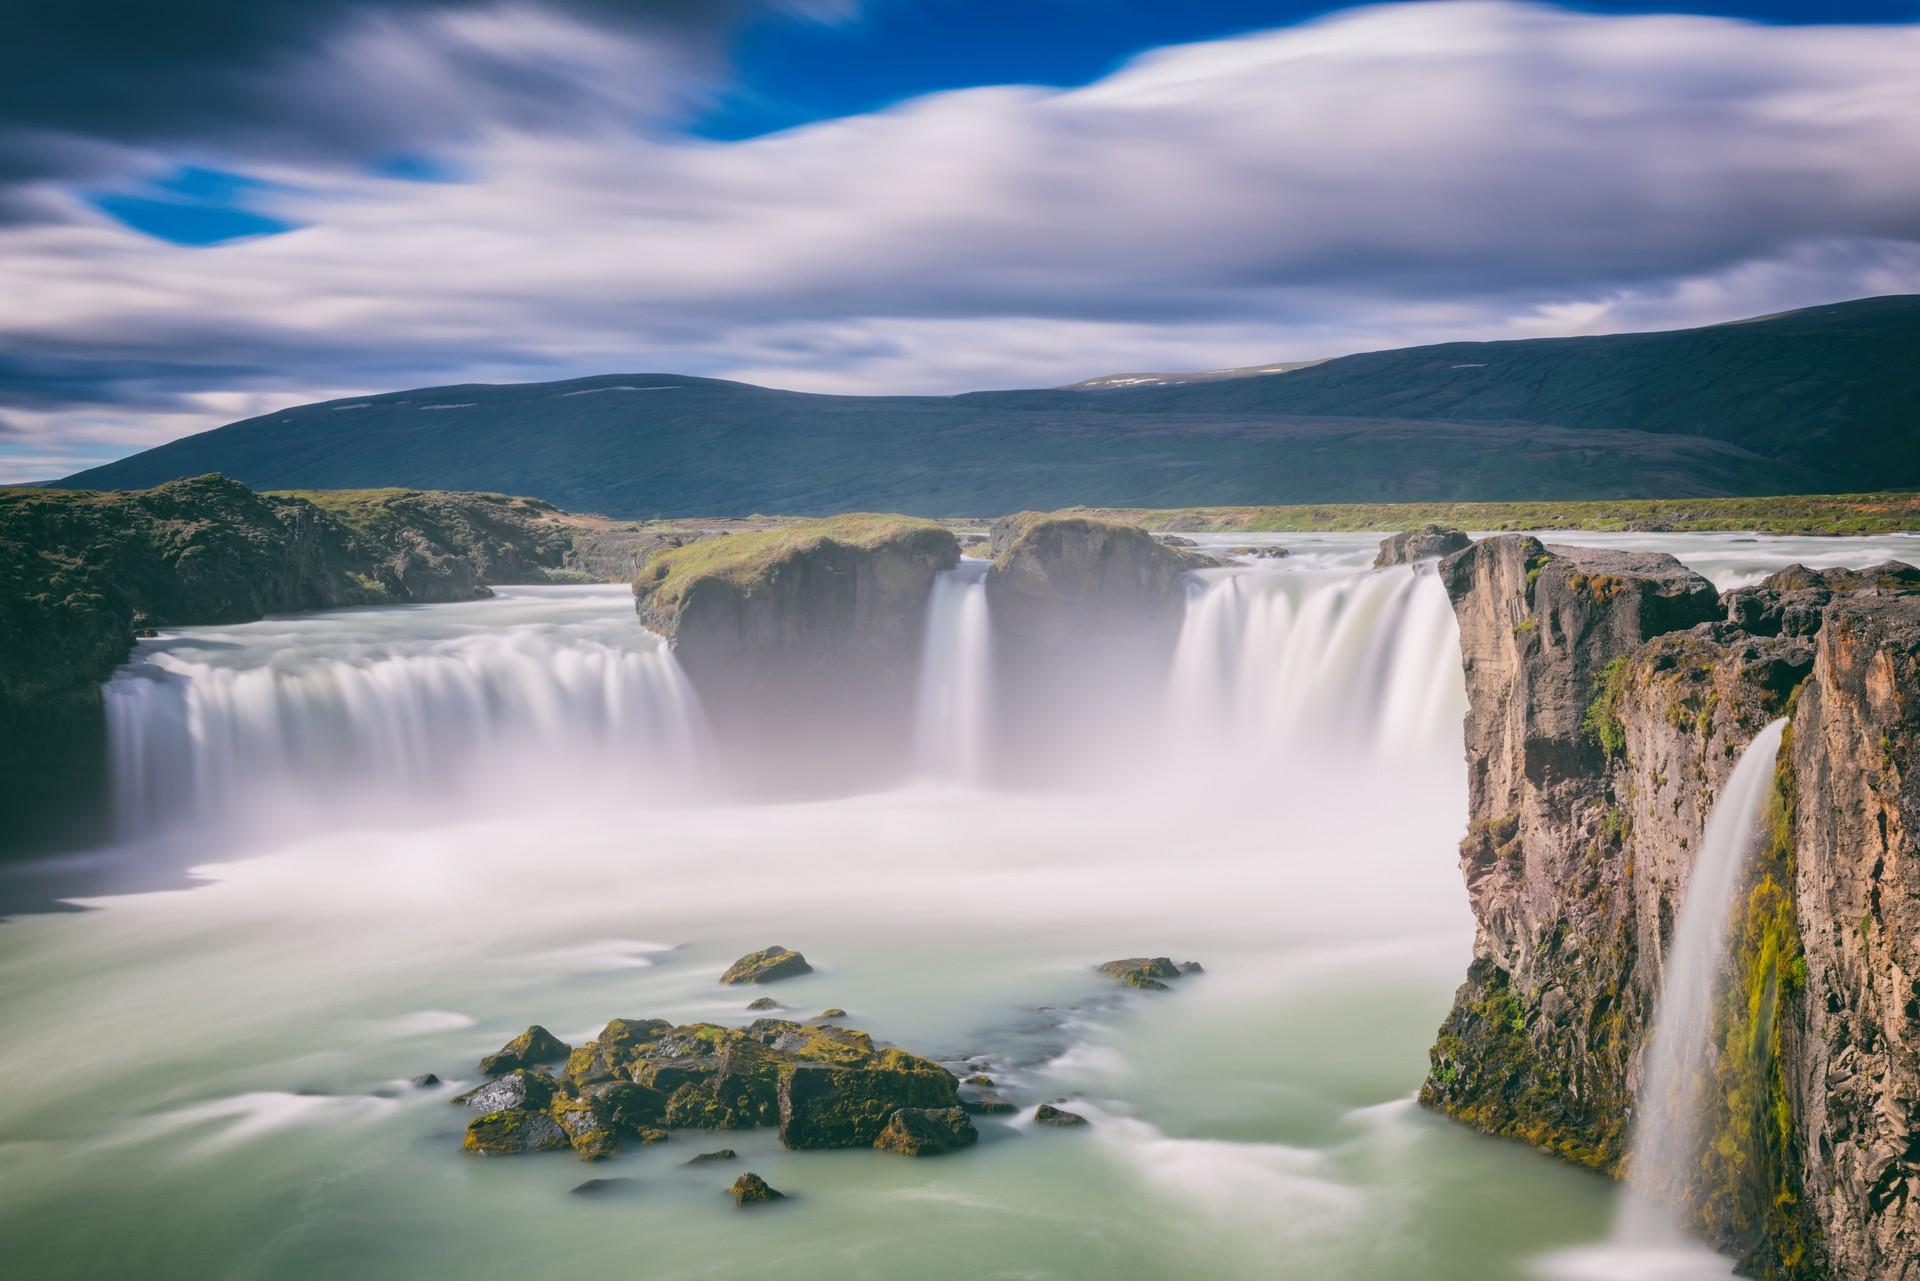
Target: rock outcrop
column 824, row 1087
column 1079, row 607
column 1610, row 695
column 803, row 642
column 1428, row 542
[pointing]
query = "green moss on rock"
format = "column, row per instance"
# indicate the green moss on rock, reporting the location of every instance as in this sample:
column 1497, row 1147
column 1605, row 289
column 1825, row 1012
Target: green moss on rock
column 767, row 966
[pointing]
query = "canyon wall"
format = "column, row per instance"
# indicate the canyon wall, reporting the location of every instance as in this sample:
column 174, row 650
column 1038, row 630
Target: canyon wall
column 1610, row 695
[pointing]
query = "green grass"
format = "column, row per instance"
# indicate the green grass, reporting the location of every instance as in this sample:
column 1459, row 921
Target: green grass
column 1873, row 513
column 745, row 558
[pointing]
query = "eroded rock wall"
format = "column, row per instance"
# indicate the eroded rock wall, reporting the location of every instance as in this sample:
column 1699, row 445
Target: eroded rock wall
column 1856, row 1069
column 1608, row 705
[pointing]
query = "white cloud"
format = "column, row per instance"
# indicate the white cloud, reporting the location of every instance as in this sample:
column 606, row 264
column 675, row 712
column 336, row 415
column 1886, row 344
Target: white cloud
column 1398, row 174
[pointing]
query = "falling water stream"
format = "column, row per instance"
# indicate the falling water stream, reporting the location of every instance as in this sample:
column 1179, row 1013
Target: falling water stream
column 951, row 720
column 410, row 833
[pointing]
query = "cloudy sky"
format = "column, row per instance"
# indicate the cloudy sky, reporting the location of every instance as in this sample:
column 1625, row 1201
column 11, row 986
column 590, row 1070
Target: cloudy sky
column 214, row 208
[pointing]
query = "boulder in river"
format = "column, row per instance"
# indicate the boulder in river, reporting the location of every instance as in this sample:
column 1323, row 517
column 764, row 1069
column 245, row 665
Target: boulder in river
column 832, row 1012
column 762, row 1005
column 708, row 1158
column 927, row 1132
column 1148, row 973
column 1047, row 1114
column 534, row 1046
column 751, row 1189
column 766, row 966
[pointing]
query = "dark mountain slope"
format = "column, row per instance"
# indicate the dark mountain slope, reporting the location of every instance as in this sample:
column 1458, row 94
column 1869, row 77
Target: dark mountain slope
column 1814, row 401
column 1834, row 387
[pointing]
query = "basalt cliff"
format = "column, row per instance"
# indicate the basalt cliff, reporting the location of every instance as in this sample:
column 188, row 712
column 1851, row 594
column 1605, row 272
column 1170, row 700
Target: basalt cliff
column 1610, row 695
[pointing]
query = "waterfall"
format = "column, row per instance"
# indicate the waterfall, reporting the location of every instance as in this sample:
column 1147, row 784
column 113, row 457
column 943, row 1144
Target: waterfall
column 1298, row 669
column 1666, row 1133
column 956, row 674
column 383, row 710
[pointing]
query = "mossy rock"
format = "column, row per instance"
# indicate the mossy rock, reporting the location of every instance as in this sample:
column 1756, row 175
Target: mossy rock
column 514, row 1131
column 987, row 1102
column 762, row 1004
column 751, row 1189
column 1148, row 973
column 534, row 1046
column 832, row 1012
column 1060, row 1118
column 927, row 1132
column 768, row 965
column 709, row 1158
column 517, row 1089
column 587, row 1130
column 978, row 1078
column 823, row 1106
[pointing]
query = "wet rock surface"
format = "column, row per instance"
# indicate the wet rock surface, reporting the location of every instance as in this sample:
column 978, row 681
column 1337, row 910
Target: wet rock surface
column 1149, row 973
column 751, row 1189
column 926, row 1132
column 768, row 965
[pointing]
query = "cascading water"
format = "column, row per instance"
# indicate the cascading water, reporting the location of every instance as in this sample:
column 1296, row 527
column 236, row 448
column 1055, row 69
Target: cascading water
column 1650, row 1241
column 1666, row 1134
column 956, row 674
column 1299, row 667
column 536, row 693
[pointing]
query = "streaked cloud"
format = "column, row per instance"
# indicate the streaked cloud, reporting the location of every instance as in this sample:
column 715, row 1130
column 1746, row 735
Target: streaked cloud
column 1389, row 175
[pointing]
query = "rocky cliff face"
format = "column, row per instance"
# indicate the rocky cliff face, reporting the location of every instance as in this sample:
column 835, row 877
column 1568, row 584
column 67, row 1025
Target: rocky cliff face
column 1080, row 607
column 1855, row 1070
column 1610, row 695
column 804, row 643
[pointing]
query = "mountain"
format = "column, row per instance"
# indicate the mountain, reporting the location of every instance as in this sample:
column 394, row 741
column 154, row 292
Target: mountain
column 1821, row 399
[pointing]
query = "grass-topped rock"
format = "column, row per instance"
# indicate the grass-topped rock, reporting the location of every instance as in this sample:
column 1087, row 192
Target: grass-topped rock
column 768, row 965
column 804, row 641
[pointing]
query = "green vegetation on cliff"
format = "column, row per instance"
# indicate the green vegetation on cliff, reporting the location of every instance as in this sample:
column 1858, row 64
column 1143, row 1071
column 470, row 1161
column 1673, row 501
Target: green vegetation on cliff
column 1751, row 1189
column 748, row 559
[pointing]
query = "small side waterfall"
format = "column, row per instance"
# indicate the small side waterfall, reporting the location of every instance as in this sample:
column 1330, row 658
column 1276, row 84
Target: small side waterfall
column 1666, row 1134
column 956, row 676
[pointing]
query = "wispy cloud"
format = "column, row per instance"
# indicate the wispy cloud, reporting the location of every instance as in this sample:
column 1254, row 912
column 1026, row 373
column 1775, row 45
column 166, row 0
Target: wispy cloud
column 1388, row 175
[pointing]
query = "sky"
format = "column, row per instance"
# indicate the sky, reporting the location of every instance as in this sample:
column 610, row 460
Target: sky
column 212, row 209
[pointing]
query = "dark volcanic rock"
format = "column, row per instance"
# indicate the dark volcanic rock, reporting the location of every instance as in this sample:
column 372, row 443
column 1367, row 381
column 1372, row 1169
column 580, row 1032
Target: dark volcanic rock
column 534, row 1046
column 513, row 1132
column 766, row 966
column 517, row 1089
column 1425, row 543
column 927, row 1132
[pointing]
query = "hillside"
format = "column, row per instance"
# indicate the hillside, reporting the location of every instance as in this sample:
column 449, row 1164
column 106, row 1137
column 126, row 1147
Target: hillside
column 1811, row 401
